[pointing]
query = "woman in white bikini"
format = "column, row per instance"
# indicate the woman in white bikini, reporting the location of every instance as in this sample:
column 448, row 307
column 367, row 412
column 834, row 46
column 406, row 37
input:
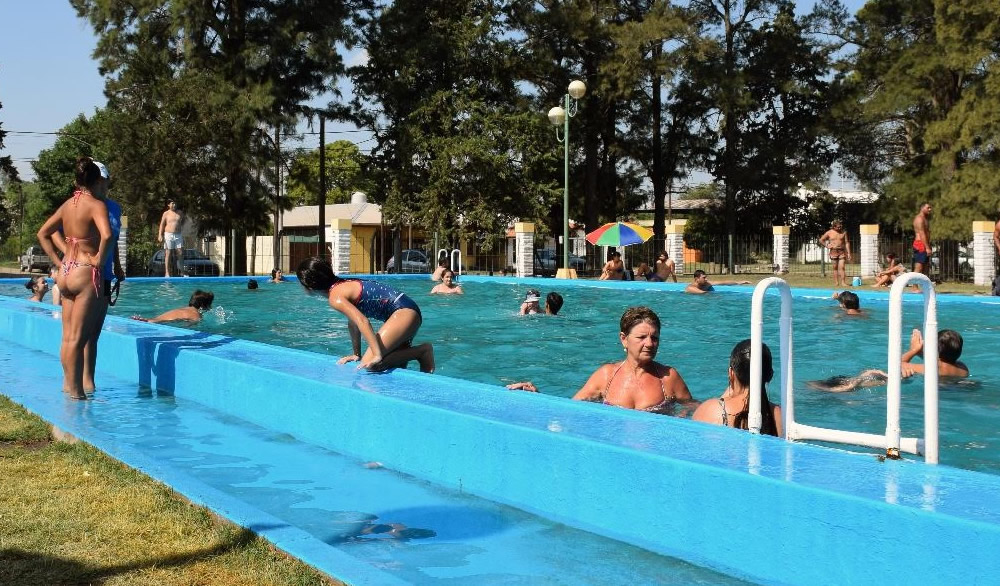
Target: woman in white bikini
column 83, row 219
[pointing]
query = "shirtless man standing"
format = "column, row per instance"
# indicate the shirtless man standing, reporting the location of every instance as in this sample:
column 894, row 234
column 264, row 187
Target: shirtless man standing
column 170, row 236
column 665, row 268
column 840, row 251
column 996, row 239
column 922, row 240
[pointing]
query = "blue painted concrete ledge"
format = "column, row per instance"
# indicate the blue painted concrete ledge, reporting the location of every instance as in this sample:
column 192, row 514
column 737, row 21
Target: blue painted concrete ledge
column 754, row 507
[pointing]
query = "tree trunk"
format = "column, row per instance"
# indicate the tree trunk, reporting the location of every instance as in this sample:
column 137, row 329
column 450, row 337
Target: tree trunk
column 658, row 177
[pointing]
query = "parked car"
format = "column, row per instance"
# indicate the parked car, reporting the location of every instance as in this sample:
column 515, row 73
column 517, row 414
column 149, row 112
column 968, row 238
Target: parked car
column 548, row 260
column 414, row 261
column 34, row 258
column 195, row 264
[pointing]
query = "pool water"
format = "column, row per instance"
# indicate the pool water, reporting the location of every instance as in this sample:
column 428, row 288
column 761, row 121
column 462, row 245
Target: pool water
column 408, row 528
column 480, row 337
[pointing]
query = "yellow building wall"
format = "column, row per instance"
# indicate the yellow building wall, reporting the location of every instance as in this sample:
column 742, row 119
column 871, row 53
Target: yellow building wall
column 361, row 248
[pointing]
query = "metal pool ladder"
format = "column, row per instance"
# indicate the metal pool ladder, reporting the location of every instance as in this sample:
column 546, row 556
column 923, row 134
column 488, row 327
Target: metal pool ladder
column 456, row 267
column 891, row 442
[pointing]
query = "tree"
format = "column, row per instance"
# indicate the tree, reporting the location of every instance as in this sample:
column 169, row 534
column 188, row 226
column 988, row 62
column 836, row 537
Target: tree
column 8, row 178
column 344, row 174
column 54, row 168
column 919, row 114
column 7, row 167
column 650, row 47
column 199, row 83
column 457, row 144
column 576, row 39
column 765, row 79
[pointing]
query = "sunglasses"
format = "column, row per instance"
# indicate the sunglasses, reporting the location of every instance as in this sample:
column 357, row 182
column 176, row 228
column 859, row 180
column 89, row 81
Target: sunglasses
column 115, row 291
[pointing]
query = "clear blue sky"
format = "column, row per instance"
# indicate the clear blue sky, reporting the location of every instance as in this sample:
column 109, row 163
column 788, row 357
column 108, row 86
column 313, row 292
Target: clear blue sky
column 48, row 77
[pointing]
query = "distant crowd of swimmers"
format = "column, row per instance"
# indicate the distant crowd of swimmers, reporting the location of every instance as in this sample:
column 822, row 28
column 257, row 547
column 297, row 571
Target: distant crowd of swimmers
column 81, row 237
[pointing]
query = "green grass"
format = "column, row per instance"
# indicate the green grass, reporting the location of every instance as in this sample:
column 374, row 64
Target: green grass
column 69, row 514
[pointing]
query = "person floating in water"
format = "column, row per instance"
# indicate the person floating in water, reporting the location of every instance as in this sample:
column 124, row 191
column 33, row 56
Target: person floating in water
column 701, row 285
column 38, row 286
column 849, row 302
column 949, row 366
column 199, row 303
column 638, row 382
column 447, row 284
column 361, row 301
column 732, row 409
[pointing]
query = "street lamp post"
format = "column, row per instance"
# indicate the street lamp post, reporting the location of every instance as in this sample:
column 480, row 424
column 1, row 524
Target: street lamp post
column 559, row 116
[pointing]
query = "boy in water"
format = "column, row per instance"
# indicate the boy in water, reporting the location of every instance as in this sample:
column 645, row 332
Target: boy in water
column 200, row 302
column 849, row 302
column 949, row 366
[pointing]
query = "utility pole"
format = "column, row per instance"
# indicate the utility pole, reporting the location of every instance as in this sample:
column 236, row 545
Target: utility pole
column 276, row 244
column 322, row 187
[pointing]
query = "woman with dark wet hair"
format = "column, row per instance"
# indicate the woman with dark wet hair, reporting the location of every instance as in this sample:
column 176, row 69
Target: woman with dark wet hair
column 361, row 301
column 38, row 287
column 86, row 243
column 732, row 409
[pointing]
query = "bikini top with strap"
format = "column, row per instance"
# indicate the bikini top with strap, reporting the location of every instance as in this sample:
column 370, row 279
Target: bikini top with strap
column 663, row 407
column 725, row 416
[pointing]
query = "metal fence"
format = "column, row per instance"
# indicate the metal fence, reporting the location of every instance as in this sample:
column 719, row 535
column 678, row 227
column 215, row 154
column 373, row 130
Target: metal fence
column 951, row 260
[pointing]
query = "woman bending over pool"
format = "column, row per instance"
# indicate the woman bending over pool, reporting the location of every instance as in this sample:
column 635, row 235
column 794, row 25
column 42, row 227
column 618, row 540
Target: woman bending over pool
column 361, row 301
column 639, row 381
column 732, row 409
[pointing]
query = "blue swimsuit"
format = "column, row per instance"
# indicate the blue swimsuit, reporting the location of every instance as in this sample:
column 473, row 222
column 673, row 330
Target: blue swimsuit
column 380, row 301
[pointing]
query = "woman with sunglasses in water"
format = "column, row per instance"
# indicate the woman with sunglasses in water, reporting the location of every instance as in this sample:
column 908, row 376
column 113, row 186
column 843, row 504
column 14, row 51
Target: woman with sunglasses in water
column 638, row 382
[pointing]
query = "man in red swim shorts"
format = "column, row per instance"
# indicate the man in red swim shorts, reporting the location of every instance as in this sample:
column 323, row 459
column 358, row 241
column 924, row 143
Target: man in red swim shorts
column 922, row 240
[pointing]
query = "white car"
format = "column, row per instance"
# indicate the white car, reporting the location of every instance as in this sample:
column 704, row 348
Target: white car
column 414, row 261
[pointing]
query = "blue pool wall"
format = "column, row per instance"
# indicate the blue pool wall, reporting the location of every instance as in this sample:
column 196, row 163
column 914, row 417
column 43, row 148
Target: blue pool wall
column 755, row 507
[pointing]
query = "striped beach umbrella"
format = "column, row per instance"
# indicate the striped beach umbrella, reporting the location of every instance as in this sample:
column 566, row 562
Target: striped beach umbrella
column 619, row 234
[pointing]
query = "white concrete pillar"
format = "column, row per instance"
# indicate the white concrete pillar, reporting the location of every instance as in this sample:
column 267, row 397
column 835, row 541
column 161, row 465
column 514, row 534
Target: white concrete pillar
column 675, row 244
column 123, row 244
column 341, row 232
column 782, row 235
column 524, row 239
column 983, row 253
column 869, row 250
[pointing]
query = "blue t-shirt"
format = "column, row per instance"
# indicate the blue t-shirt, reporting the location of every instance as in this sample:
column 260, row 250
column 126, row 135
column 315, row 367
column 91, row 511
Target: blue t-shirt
column 115, row 217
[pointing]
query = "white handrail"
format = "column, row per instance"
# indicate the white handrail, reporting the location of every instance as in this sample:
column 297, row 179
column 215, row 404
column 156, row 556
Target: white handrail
column 893, row 392
column 457, row 269
column 891, row 442
column 756, row 356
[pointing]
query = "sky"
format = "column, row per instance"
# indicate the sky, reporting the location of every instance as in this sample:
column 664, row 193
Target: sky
column 48, row 77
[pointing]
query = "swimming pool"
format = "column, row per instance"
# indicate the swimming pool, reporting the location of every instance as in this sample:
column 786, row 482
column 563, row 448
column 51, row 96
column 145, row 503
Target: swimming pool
column 540, row 454
column 479, row 337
